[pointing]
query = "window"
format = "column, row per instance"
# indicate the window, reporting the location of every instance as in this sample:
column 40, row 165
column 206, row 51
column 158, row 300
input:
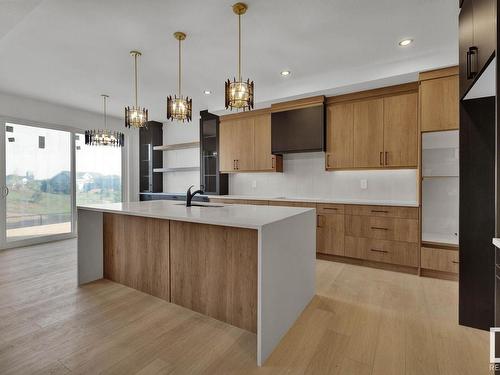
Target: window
column 98, row 173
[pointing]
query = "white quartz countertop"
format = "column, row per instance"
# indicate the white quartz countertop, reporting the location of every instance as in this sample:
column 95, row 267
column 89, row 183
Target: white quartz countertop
column 321, row 200
column 234, row 215
column 496, row 242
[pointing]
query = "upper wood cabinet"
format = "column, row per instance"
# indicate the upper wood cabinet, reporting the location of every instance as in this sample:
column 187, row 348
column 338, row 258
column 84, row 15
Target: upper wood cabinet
column 368, row 133
column 374, row 129
column 245, row 143
column 439, row 100
column 340, row 136
column 400, row 130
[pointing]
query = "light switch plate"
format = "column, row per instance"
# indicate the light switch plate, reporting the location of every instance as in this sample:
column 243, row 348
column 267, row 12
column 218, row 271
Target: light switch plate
column 363, row 184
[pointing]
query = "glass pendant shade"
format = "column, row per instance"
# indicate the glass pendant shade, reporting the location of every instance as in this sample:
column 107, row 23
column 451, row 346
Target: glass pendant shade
column 135, row 116
column 239, row 94
column 179, row 108
column 104, row 137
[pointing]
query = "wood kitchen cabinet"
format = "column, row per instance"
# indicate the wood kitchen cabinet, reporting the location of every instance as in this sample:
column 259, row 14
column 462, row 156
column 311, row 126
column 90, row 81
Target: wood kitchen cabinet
column 245, row 143
column 368, row 133
column 373, row 129
column 439, row 99
column 340, row 135
column 400, row 130
column 330, row 229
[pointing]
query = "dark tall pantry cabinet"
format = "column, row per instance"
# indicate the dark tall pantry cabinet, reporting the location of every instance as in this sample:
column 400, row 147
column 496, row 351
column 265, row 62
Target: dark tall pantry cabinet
column 478, row 166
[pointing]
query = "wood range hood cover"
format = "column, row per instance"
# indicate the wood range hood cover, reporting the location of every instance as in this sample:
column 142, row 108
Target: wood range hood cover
column 298, row 126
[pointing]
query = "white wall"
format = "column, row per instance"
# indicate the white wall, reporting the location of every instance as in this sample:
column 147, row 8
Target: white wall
column 304, row 176
column 13, row 107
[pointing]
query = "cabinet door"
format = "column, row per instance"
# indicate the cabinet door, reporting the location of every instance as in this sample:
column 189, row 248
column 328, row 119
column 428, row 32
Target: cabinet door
column 330, row 234
column 400, row 130
column 439, row 104
column 227, row 155
column 369, row 133
column 340, row 136
column 484, row 26
column 262, row 143
column 466, row 40
column 243, row 144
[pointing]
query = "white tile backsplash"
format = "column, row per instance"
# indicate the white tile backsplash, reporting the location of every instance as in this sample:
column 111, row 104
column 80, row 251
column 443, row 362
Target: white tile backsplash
column 304, row 176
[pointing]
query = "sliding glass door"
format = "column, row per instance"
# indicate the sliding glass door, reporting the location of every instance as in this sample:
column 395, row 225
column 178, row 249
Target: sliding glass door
column 38, row 182
column 45, row 172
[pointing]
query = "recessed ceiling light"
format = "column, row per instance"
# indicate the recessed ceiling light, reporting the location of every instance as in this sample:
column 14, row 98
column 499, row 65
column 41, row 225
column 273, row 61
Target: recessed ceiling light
column 207, row 92
column 285, row 73
column 405, row 42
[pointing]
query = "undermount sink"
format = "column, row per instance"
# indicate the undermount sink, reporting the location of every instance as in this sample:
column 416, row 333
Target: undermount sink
column 200, row 205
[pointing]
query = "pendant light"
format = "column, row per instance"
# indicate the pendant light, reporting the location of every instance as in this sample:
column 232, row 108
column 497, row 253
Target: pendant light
column 179, row 108
column 104, row 137
column 135, row 116
column 239, row 93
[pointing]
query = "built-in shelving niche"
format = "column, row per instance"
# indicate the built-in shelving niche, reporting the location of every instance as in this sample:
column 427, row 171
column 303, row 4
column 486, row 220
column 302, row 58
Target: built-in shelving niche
column 440, row 187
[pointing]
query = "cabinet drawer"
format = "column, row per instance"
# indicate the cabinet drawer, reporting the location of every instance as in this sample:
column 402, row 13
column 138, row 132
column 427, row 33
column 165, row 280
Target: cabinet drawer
column 439, row 259
column 402, row 253
column 327, row 208
column 383, row 211
column 382, row 228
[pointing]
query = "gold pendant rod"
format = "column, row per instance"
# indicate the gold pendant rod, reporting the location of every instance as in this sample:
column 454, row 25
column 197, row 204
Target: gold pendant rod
column 239, row 47
column 179, row 90
column 135, row 72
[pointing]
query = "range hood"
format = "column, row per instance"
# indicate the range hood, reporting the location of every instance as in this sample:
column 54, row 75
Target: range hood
column 298, row 126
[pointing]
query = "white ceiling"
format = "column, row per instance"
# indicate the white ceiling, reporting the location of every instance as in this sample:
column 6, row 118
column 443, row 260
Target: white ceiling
column 70, row 51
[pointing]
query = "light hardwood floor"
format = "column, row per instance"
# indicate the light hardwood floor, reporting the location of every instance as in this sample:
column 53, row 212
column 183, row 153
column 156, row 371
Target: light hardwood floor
column 362, row 321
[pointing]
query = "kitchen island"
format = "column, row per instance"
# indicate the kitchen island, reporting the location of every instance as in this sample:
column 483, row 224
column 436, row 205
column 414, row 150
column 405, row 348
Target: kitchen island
column 250, row 266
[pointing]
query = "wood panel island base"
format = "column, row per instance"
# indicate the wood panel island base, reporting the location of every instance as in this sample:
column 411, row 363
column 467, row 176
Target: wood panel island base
column 250, row 266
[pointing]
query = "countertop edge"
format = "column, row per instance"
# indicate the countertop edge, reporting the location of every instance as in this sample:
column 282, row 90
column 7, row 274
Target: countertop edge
column 189, row 220
column 318, row 200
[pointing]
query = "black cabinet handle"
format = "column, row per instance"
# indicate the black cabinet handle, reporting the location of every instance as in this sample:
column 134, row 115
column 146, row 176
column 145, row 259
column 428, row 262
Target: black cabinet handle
column 381, row 211
column 454, row 261
column 379, row 251
column 379, row 228
column 330, row 208
column 472, row 72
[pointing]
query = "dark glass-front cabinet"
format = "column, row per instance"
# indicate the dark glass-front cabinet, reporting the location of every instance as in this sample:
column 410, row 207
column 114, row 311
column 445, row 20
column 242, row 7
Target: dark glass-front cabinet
column 213, row 182
column 150, row 136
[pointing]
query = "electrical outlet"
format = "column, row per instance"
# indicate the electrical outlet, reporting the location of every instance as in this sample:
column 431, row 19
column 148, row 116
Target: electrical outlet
column 254, row 184
column 363, row 184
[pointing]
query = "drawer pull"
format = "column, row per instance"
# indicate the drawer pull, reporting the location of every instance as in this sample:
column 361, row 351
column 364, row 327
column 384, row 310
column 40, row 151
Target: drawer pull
column 379, row 251
column 330, row 208
column 318, row 221
column 454, row 261
column 381, row 211
column 379, row 228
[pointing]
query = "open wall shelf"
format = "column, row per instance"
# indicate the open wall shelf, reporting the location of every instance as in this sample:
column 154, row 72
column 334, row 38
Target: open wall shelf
column 177, row 146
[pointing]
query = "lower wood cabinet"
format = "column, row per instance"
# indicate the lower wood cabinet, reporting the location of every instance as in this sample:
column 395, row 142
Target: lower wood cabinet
column 214, row 271
column 330, row 234
column 444, row 260
column 136, row 253
column 395, row 252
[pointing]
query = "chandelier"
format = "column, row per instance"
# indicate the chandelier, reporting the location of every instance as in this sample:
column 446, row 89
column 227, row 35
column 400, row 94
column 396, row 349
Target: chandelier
column 179, row 108
column 135, row 116
column 104, row 137
column 239, row 93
